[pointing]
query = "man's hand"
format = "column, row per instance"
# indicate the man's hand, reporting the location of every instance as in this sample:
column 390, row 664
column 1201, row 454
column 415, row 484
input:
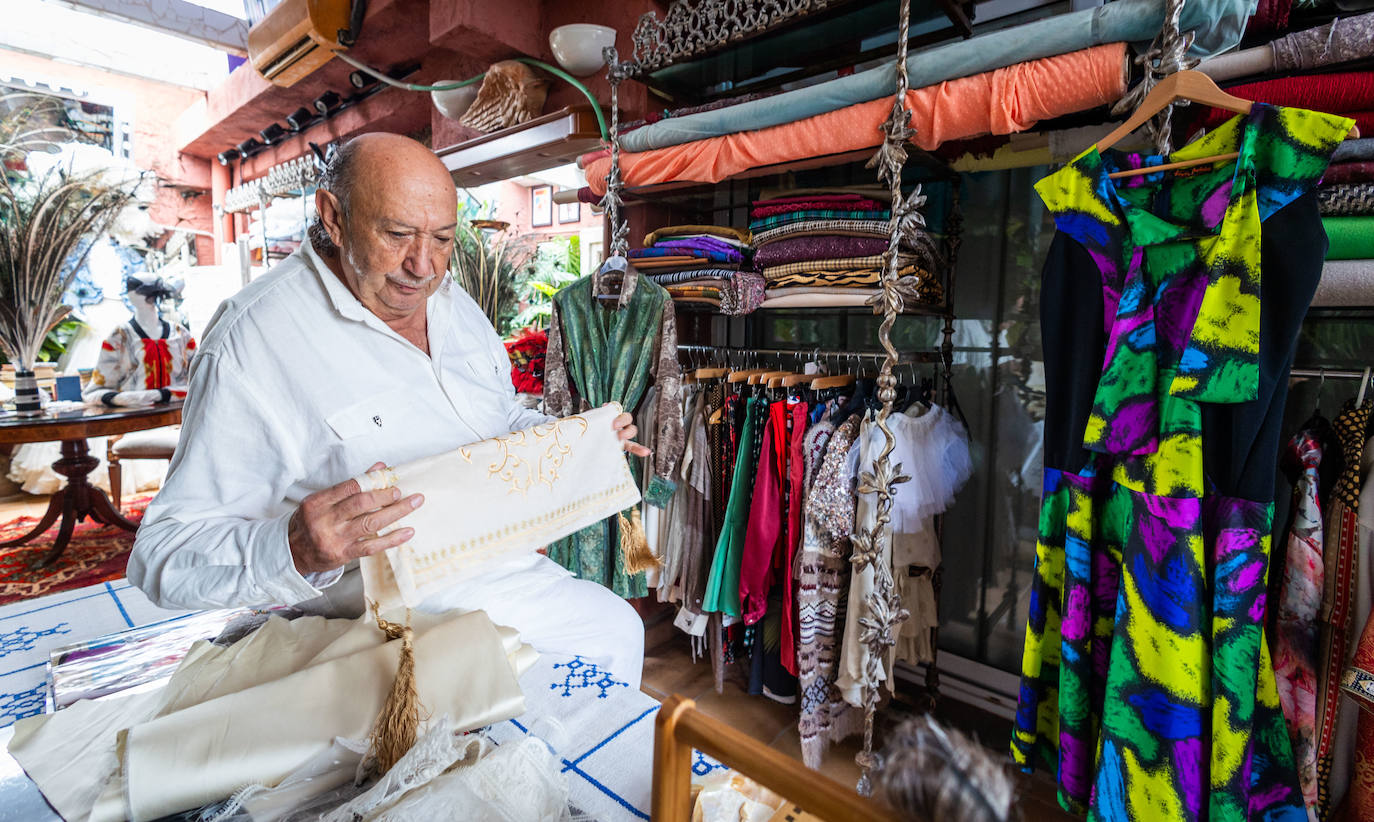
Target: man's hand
column 624, row 426
column 339, row 524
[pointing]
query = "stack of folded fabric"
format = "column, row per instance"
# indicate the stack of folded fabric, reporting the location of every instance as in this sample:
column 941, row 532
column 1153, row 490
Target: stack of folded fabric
column 707, row 264
column 1346, row 198
column 825, row 247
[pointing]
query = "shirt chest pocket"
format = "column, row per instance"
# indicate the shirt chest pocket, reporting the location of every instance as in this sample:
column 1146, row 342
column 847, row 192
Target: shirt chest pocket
column 480, row 386
column 369, row 417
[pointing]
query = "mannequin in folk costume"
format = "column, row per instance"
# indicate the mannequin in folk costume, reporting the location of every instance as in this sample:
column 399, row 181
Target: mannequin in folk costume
column 146, row 360
column 142, row 362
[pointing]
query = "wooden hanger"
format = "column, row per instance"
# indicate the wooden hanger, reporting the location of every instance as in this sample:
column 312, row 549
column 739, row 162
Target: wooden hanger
column 798, row 379
column 837, row 381
column 743, row 374
column 711, row 373
column 1181, row 85
column 765, row 376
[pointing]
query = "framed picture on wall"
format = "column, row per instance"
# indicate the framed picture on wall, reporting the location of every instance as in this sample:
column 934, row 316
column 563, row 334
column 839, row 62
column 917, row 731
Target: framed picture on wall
column 569, row 212
column 541, row 206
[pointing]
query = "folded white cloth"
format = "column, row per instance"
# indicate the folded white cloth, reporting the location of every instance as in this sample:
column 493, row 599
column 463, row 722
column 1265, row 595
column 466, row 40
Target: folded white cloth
column 254, row 711
column 497, row 498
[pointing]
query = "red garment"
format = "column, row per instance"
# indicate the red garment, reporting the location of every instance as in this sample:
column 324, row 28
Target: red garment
column 761, row 534
column 157, row 363
column 796, row 466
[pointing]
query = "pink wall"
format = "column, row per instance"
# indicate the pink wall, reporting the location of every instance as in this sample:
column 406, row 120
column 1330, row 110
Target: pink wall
column 514, row 206
column 155, row 107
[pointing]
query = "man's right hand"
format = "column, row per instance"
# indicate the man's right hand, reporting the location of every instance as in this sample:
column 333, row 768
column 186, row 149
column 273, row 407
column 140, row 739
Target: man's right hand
column 340, row 524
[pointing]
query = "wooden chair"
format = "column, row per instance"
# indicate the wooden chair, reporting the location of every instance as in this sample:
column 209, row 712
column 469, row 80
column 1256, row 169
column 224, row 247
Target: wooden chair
column 680, row 727
column 153, row 444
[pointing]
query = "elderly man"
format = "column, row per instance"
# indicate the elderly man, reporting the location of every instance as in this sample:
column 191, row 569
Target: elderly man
column 356, row 351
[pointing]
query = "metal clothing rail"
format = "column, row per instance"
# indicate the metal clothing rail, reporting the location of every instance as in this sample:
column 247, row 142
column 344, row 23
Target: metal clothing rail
column 816, row 353
column 1327, row 373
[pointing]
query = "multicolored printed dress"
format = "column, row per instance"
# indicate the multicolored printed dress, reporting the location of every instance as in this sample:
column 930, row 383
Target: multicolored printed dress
column 1146, row 681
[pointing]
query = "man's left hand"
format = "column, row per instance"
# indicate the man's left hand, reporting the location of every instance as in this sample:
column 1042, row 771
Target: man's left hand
column 624, row 426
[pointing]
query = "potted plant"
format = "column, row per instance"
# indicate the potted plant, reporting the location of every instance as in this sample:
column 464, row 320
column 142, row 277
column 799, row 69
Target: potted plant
column 43, row 218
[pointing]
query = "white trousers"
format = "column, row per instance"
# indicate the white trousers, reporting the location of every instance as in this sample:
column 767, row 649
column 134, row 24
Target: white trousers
column 553, row 611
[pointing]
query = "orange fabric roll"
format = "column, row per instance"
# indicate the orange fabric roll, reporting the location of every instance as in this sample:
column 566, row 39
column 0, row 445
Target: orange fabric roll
column 1004, row 101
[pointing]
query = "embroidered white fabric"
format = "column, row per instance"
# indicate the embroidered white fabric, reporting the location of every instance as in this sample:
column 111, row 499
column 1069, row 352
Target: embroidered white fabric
column 497, row 498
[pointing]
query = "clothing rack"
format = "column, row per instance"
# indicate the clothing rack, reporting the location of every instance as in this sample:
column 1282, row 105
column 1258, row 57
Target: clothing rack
column 1326, row 373
column 814, row 353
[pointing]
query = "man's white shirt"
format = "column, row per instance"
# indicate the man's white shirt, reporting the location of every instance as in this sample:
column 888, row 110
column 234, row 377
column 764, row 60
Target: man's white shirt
column 296, row 387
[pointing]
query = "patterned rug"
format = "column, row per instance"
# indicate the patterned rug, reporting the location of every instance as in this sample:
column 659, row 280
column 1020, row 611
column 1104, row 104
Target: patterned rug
column 96, row 553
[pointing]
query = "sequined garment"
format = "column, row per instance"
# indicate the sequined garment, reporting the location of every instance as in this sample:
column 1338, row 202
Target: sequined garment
column 823, row 589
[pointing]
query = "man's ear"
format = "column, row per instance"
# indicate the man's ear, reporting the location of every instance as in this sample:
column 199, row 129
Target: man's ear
column 331, row 215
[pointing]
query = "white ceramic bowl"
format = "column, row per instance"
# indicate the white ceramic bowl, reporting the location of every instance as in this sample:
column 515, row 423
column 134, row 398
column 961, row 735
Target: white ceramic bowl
column 453, row 103
column 577, row 47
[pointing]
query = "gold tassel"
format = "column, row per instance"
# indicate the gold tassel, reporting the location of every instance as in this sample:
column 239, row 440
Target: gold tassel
column 635, row 555
column 399, row 721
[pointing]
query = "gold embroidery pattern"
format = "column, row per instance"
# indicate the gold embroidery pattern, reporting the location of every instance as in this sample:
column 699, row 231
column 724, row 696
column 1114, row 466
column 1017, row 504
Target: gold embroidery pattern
column 459, row 554
column 534, row 457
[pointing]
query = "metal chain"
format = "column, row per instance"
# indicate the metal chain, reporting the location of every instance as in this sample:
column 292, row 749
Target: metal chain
column 612, row 203
column 1166, row 55
column 882, row 607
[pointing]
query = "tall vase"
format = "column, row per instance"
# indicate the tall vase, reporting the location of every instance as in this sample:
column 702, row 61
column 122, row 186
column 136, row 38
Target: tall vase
column 26, row 400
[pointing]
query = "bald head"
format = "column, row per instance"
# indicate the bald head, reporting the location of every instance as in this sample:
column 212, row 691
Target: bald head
column 386, row 209
column 361, row 162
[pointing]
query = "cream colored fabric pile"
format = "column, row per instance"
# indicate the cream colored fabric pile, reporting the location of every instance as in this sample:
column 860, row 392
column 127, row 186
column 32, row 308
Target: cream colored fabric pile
column 496, row 498
column 254, row 711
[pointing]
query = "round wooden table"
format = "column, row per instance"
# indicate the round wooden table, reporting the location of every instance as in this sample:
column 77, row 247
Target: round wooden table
column 79, row 499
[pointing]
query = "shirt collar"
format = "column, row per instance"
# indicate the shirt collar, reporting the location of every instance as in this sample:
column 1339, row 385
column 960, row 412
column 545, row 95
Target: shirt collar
column 350, row 307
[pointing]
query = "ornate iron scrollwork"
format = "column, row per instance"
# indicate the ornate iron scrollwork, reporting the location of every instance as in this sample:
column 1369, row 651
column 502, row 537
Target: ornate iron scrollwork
column 694, row 27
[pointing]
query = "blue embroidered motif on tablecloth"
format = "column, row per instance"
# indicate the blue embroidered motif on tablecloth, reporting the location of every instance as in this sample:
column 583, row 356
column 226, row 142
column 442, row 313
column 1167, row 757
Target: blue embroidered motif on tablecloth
column 584, row 674
column 703, row 764
column 25, row 638
column 16, row 706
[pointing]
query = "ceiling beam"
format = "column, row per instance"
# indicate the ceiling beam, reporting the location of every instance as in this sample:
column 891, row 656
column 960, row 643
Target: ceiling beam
column 177, row 17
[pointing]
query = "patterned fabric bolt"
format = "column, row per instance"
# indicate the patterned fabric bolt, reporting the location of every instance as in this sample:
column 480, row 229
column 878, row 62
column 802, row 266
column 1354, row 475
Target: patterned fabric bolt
column 1295, row 652
column 1146, row 681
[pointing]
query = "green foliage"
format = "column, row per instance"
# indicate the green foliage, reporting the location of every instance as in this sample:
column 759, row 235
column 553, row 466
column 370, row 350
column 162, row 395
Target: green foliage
column 56, row 343
column 549, row 270
column 488, row 267
column 574, row 254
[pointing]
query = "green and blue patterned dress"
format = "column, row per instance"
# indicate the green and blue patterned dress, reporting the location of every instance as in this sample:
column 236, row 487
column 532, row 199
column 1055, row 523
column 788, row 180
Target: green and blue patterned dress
column 1171, row 306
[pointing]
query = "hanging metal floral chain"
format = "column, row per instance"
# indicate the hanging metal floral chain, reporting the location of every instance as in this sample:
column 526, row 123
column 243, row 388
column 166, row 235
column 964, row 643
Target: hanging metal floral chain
column 1166, row 55
column 616, row 72
column 882, row 607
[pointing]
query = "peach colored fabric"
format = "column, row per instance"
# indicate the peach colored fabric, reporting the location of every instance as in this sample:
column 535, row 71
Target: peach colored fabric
column 1004, row 101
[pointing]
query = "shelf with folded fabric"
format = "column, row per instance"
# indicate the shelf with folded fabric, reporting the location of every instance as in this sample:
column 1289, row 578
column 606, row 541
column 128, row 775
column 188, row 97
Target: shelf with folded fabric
column 805, row 299
column 828, row 169
column 820, row 44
